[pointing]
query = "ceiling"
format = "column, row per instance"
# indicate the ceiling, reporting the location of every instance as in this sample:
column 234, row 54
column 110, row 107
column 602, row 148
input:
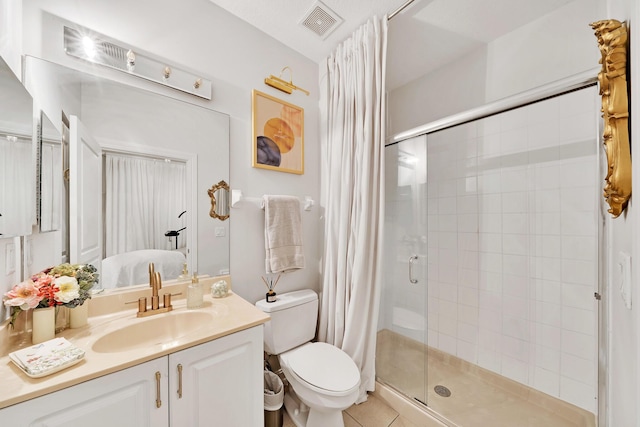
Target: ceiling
column 425, row 36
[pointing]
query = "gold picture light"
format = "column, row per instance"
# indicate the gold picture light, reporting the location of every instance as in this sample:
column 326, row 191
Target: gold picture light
column 283, row 85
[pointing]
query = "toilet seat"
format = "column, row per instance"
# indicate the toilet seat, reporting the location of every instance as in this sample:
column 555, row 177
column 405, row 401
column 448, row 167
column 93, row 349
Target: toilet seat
column 324, row 368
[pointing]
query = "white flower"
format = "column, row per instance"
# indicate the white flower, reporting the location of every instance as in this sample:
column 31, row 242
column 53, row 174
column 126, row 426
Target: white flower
column 68, row 289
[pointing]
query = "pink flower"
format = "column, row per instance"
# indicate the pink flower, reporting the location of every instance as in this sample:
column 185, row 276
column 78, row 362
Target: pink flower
column 42, row 279
column 24, row 295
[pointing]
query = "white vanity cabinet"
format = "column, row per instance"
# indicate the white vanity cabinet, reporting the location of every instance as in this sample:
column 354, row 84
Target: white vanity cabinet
column 125, row 399
column 218, row 383
column 222, row 382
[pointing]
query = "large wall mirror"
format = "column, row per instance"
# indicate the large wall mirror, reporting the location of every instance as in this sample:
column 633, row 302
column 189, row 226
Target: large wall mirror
column 140, row 165
column 17, row 159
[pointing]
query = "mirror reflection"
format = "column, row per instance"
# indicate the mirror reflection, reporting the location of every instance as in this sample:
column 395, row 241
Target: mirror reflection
column 219, row 195
column 49, row 179
column 136, row 191
column 17, row 188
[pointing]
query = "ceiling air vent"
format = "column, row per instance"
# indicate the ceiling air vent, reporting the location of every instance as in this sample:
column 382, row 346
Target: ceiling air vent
column 321, row 20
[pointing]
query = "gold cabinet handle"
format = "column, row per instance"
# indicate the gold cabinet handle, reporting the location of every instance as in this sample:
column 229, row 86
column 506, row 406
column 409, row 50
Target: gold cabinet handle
column 179, row 381
column 158, row 400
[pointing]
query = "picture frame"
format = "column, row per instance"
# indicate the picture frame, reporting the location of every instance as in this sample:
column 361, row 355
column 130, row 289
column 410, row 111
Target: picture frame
column 278, row 134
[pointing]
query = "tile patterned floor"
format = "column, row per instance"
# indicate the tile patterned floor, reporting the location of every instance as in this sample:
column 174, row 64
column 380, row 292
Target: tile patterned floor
column 372, row 413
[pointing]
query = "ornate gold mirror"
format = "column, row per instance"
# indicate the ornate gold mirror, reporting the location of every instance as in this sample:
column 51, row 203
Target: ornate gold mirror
column 219, row 194
column 612, row 41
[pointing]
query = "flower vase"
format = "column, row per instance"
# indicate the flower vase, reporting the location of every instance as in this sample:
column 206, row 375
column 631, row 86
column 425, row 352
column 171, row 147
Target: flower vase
column 78, row 316
column 20, row 333
column 44, row 324
column 62, row 318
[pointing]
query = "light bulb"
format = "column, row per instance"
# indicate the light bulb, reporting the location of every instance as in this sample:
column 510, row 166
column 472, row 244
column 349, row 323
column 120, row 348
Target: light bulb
column 89, row 47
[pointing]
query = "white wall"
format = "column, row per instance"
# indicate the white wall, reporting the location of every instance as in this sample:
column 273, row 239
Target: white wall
column 444, row 92
column 197, row 35
column 624, row 324
column 11, row 34
column 555, row 46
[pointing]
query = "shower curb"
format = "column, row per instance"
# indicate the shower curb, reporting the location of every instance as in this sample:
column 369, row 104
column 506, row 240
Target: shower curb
column 418, row 414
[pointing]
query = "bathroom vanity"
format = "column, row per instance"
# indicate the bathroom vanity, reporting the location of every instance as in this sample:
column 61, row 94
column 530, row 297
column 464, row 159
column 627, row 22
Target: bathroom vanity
column 204, row 368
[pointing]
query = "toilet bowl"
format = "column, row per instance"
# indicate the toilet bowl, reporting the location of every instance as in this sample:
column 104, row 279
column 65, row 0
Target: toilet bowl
column 323, row 379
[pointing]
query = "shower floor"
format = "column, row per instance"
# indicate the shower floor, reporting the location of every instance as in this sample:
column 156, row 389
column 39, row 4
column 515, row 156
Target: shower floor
column 479, row 397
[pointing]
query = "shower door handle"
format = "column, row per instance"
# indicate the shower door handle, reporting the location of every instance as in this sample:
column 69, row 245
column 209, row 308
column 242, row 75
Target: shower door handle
column 412, row 258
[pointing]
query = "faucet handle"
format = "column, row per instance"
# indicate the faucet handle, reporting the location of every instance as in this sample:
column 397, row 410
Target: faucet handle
column 152, row 275
column 158, row 280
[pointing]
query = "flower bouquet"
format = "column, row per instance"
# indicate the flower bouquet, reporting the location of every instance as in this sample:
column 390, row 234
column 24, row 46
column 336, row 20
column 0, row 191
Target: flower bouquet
column 68, row 285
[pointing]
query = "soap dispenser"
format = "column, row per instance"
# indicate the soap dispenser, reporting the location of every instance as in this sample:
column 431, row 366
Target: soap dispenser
column 194, row 293
column 185, row 273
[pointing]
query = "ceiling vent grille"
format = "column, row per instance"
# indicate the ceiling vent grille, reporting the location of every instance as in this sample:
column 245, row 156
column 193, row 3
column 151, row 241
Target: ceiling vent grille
column 321, row 20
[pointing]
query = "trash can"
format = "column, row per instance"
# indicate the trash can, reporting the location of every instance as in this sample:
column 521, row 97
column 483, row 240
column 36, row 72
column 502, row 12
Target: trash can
column 273, row 398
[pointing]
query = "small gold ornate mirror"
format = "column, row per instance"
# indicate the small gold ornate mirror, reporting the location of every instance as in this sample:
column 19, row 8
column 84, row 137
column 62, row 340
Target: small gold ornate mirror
column 219, row 194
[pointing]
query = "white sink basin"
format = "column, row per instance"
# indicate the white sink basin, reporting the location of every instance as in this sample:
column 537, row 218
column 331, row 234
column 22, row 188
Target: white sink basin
column 162, row 330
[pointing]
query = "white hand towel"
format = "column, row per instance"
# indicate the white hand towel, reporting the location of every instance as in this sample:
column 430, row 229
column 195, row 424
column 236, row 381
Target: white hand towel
column 282, row 234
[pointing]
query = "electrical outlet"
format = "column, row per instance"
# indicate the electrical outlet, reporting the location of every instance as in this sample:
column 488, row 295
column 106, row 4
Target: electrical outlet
column 220, row 232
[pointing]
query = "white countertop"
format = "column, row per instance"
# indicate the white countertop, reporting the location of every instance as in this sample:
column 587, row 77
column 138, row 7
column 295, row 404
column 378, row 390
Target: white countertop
column 231, row 314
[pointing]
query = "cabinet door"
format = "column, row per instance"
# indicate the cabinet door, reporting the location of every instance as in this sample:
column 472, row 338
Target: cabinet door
column 124, row 399
column 222, row 382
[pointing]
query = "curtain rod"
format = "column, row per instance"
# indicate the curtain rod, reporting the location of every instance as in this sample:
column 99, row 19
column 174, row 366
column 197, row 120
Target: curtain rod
column 129, row 154
column 22, row 136
column 400, row 9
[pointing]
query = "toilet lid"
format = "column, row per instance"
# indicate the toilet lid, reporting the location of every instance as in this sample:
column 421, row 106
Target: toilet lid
column 324, row 366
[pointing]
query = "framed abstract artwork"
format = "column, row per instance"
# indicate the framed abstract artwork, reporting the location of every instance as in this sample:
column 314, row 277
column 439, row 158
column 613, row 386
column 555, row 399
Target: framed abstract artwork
column 278, row 134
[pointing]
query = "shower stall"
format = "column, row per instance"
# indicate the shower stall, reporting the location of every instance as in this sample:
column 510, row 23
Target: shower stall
column 492, row 233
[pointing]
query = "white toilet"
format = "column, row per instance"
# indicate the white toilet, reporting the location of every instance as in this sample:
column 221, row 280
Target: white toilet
column 324, row 379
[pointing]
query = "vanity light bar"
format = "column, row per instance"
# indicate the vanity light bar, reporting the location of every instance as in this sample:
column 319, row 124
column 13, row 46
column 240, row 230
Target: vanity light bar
column 93, row 47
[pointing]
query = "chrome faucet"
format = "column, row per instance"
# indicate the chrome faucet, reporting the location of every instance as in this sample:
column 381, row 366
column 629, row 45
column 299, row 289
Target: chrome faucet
column 155, row 282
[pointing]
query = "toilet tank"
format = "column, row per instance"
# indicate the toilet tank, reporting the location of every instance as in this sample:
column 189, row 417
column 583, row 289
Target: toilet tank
column 293, row 320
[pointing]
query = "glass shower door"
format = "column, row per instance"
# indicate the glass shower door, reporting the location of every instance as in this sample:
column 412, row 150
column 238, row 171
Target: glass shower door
column 401, row 360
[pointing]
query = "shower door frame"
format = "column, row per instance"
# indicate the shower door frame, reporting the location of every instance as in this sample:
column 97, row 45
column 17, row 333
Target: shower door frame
column 559, row 87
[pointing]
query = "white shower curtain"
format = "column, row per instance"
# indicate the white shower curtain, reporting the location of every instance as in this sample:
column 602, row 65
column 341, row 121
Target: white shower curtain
column 353, row 120
column 143, row 198
column 15, row 185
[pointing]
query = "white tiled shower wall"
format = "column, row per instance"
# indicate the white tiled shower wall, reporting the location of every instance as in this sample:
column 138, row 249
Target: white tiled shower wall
column 512, row 244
